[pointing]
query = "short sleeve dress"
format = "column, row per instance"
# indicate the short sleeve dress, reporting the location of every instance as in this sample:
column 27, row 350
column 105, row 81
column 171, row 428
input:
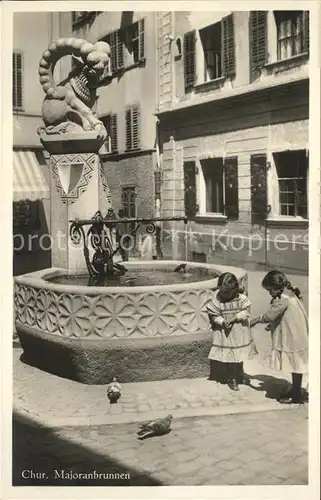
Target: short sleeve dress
column 239, row 345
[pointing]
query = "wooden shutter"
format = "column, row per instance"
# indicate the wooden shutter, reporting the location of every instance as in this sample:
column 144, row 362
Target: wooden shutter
column 120, row 50
column 190, row 188
column 113, row 133
column 259, row 189
column 117, row 51
column 135, row 127
column 141, row 31
column 17, row 69
column 231, row 188
column 258, row 40
column 132, row 128
column 306, row 31
column 189, row 60
column 113, row 51
column 128, row 129
column 228, row 46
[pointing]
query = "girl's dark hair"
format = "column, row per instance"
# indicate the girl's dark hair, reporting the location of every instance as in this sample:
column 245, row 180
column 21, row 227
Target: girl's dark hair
column 279, row 281
column 228, row 286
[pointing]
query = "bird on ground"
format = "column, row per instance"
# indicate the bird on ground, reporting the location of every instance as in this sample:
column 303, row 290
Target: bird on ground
column 157, row 427
column 114, row 391
column 181, row 267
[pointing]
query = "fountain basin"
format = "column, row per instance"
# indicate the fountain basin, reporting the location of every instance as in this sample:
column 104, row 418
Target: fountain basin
column 136, row 333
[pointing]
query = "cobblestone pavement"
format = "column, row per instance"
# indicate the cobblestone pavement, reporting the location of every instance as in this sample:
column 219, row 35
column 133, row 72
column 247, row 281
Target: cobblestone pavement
column 219, row 437
column 55, row 401
column 267, row 448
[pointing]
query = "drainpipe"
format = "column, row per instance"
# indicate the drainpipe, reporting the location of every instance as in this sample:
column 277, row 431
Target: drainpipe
column 157, row 253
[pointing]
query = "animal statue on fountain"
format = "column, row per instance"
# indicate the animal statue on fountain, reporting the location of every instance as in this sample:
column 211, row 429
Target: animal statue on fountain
column 68, row 107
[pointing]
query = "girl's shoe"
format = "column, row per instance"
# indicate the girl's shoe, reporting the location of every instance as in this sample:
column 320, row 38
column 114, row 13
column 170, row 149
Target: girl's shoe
column 292, row 400
column 233, row 385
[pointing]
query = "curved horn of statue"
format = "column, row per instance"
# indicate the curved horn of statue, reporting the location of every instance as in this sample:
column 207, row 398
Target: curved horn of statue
column 67, row 107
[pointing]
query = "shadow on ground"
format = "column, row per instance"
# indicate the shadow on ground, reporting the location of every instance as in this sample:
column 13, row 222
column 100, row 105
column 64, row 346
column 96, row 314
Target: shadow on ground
column 274, row 387
column 38, row 449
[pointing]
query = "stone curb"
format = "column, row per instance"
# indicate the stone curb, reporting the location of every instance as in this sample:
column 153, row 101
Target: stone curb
column 126, row 418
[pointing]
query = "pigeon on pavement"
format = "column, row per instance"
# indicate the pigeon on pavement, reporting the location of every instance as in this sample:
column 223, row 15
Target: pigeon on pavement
column 157, row 427
column 114, row 391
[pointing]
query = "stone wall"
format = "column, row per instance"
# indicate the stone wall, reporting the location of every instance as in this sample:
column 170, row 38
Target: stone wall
column 132, row 170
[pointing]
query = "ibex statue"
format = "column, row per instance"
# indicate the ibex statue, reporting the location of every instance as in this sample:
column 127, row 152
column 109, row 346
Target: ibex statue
column 67, row 107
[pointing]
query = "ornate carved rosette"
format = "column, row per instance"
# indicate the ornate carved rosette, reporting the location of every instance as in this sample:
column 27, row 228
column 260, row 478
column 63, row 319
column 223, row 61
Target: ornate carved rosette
column 118, row 315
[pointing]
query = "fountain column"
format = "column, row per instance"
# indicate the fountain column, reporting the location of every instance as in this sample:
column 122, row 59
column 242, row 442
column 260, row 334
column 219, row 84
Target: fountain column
column 78, row 190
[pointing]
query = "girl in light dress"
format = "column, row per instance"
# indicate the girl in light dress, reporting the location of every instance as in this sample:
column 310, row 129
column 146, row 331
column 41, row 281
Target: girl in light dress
column 287, row 320
column 229, row 315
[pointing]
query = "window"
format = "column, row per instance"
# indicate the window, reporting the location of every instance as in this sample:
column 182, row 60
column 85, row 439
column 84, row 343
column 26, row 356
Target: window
column 213, row 179
column 17, row 76
column 132, row 128
column 218, row 187
column 218, row 52
column 292, row 33
column 110, row 123
column 115, row 41
column 127, row 46
column 211, row 38
column 135, row 42
column 128, row 200
column 292, row 170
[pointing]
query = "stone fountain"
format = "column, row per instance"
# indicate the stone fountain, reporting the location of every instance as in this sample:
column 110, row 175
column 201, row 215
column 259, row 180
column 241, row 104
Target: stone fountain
column 90, row 317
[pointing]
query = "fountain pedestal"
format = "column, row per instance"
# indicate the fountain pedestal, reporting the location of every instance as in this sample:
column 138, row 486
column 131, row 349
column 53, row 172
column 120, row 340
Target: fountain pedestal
column 78, row 189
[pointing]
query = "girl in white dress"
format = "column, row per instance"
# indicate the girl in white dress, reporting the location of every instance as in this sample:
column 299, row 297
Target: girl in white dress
column 288, row 322
column 229, row 314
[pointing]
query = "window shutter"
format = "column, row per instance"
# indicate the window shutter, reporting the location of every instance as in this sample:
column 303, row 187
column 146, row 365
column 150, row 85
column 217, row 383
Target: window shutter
column 190, row 188
column 259, row 189
column 17, row 69
column 113, row 51
column 306, row 31
column 141, row 27
column 135, row 128
column 128, row 129
column 228, row 46
column 189, row 59
column 113, row 133
column 120, row 50
column 258, row 40
column 231, row 188
column 132, row 128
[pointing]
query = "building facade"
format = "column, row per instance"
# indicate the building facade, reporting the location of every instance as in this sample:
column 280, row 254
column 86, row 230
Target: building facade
column 126, row 105
column 233, row 110
column 32, row 34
